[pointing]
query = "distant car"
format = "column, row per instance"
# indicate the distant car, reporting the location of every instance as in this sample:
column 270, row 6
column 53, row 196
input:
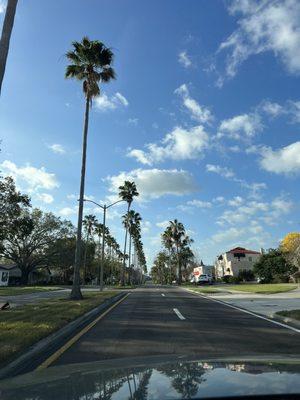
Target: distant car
column 205, row 279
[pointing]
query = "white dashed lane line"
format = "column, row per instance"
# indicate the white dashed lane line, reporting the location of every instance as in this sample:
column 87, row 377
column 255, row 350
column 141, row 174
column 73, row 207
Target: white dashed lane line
column 178, row 313
column 163, row 294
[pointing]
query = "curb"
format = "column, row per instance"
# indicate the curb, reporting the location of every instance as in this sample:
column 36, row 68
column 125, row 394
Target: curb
column 293, row 323
column 39, row 351
column 290, row 321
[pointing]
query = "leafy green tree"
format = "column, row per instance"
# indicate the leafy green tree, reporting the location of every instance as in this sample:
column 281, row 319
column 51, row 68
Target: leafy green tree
column 12, row 204
column 160, row 271
column 28, row 242
column 272, row 266
column 91, row 63
column 61, row 259
column 127, row 192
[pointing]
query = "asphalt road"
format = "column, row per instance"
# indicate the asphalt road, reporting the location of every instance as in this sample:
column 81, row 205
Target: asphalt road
column 145, row 324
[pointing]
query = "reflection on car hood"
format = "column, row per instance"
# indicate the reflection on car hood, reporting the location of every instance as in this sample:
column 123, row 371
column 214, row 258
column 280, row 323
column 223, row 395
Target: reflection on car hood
column 153, row 379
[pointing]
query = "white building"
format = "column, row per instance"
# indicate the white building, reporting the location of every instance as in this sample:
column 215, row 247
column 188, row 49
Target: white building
column 235, row 260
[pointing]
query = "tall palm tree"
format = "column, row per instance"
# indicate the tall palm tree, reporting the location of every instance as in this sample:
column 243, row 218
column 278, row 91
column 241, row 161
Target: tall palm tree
column 127, row 192
column 178, row 234
column 91, row 63
column 167, row 240
column 89, row 223
column 134, row 230
column 5, row 35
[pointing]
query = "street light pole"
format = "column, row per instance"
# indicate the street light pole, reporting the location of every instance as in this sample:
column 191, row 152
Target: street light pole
column 104, row 208
column 103, row 245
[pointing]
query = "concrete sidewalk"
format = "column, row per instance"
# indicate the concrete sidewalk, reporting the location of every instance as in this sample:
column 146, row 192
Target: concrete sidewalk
column 266, row 304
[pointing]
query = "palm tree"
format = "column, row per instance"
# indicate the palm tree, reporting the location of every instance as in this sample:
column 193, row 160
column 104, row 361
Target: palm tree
column 89, row 223
column 91, row 63
column 6, row 34
column 178, row 234
column 167, row 240
column 127, row 192
column 134, row 230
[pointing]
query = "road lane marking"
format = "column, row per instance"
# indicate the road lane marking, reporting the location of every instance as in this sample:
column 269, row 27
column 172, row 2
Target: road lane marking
column 163, row 294
column 247, row 312
column 178, row 313
column 75, row 338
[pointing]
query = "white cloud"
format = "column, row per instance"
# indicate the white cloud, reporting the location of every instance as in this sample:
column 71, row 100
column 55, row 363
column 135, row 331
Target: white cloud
column 228, row 235
column 155, row 183
column 34, row 178
column 45, row 198
column 222, row 171
column 133, row 121
column 57, row 148
column 184, row 59
column 241, row 125
column 294, row 110
column 145, row 225
column 67, row 211
column 106, row 103
column 236, row 201
column 162, row 224
column 198, row 113
column 199, row 203
column 72, row 196
column 282, row 161
column 180, row 144
column 254, row 188
column 219, row 199
column 122, row 99
column 245, row 211
column 272, row 109
column 264, row 26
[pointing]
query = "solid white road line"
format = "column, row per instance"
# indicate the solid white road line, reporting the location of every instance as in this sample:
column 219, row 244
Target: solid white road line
column 163, row 294
column 247, row 312
column 178, row 313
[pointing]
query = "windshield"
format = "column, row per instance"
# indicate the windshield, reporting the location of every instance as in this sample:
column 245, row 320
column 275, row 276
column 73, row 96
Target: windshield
column 149, row 185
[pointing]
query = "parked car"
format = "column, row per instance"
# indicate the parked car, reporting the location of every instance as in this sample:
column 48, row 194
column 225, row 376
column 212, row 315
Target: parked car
column 205, row 279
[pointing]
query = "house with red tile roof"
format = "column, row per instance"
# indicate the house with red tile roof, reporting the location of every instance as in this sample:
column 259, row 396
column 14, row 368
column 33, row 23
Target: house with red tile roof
column 235, row 260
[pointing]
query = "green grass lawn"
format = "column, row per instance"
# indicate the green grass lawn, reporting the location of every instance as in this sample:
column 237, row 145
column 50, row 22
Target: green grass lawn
column 119, row 287
column 267, row 288
column 16, row 290
column 22, row 326
column 207, row 289
column 295, row 314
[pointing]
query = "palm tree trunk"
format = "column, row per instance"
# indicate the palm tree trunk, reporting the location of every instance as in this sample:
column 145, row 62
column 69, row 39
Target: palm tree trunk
column 76, row 292
column 129, row 259
column 6, row 34
column 84, row 259
column 179, row 266
column 124, row 254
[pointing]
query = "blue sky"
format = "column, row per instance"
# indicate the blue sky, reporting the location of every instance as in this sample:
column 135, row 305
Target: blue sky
column 204, row 115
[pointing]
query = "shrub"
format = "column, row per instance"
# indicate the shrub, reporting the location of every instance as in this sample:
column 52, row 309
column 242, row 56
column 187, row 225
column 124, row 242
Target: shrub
column 272, row 267
column 245, row 275
column 231, row 279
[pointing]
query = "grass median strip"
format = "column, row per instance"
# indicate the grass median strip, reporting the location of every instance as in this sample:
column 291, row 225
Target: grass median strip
column 267, row 288
column 15, row 291
column 208, row 290
column 295, row 314
column 23, row 326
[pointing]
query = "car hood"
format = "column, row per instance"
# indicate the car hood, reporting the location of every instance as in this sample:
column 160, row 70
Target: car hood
column 158, row 378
